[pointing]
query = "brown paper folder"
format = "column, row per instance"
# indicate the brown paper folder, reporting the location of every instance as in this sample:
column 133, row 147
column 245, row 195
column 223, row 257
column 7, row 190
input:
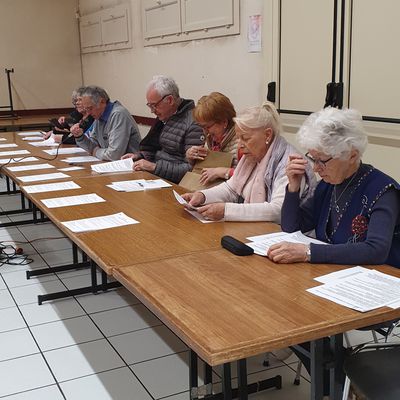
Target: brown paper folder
column 191, row 180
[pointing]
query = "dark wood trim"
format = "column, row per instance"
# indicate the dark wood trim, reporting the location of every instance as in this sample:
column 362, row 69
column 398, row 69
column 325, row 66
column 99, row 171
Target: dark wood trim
column 144, row 120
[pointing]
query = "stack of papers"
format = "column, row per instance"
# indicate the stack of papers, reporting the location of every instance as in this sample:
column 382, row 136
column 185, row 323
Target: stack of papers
column 80, row 159
column 190, row 209
column 138, row 185
column 5, row 145
column 72, row 200
column 359, row 288
column 30, row 167
column 65, row 150
column 125, row 165
column 96, row 223
column 51, row 187
column 42, row 177
column 48, row 142
column 17, row 159
column 261, row 243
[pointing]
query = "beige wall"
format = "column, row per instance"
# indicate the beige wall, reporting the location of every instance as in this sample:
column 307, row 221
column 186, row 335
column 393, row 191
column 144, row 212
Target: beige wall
column 199, row 67
column 39, row 39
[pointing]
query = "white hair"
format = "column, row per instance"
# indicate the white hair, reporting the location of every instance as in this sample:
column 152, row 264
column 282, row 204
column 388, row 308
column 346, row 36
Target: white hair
column 259, row 118
column 164, row 85
column 334, row 132
column 96, row 93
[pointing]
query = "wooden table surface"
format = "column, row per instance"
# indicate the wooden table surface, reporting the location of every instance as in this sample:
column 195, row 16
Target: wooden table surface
column 165, row 228
column 226, row 307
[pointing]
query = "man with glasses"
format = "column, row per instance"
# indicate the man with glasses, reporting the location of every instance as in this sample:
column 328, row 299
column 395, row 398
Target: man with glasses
column 162, row 151
column 114, row 132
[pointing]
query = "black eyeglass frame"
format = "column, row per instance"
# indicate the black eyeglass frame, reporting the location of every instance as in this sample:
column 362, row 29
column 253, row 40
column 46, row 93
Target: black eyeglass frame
column 152, row 106
column 317, row 162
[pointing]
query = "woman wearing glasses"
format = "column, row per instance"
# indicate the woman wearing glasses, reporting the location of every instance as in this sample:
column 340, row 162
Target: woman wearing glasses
column 355, row 207
column 257, row 188
column 215, row 113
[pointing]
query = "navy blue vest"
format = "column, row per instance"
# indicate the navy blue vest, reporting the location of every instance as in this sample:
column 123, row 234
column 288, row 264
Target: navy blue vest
column 353, row 225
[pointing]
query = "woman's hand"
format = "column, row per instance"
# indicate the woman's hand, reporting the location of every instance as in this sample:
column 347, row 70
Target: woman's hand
column 212, row 174
column 57, row 138
column 61, row 120
column 287, row 253
column 195, row 198
column 213, row 212
column 295, row 171
column 144, row 165
column 196, row 153
column 46, row 135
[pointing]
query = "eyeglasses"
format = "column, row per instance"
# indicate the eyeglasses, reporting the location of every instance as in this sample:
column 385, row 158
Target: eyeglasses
column 207, row 127
column 152, row 106
column 321, row 163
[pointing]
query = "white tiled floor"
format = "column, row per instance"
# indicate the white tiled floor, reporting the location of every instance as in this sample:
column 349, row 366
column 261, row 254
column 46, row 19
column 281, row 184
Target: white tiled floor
column 104, row 346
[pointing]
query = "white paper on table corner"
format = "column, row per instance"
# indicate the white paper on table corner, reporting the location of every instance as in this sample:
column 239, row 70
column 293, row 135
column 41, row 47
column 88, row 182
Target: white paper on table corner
column 51, row 187
column 72, row 200
column 42, row 177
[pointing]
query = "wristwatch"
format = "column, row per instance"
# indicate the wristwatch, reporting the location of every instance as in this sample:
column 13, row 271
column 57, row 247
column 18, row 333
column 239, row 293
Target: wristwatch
column 308, row 253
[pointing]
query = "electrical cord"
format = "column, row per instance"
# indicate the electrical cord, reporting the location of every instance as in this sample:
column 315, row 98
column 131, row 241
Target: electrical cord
column 10, row 255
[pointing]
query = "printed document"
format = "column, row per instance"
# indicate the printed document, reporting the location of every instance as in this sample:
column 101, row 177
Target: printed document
column 51, row 187
column 190, row 209
column 5, row 145
column 72, row 200
column 363, row 291
column 137, row 185
column 31, row 138
column 114, row 166
column 42, row 177
column 35, row 133
column 80, row 159
column 96, row 223
column 17, row 160
column 13, row 153
column 30, row 167
column 70, row 169
column 65, row 150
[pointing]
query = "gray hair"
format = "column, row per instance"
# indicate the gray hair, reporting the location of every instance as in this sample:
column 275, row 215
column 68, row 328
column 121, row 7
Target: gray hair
column 164, row 85
column 262, row 117
column 334, row 132
column 77, row 93
column 96, row 93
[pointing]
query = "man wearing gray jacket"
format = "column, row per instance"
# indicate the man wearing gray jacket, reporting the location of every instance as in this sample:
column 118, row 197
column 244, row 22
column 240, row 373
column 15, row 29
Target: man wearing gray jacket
column 114, row 133
column 162, row 151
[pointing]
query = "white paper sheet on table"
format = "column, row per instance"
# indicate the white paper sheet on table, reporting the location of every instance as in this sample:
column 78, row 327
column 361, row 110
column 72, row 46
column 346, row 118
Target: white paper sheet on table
column 2, row 139
column 97, row 223
column 72, row 200
column 32, row 133
column 69, row 169
column 362, row 292
column 51, row 187
column 137, row 185
column 6, row 145
column 13, row 153
column 190, row 209
column 114, row 166
column 48, row 142
column 65, row 150
column 261, row 243
column 42, row 177
column 17, row 160
column 30, row 167
column 35, row 138
column 341, row 274
column 80, row 159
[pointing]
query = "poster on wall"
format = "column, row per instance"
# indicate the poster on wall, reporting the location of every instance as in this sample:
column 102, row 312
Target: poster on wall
column 254, row 34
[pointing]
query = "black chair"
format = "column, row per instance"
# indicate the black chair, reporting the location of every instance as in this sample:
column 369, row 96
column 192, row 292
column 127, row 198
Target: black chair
column 373, row 370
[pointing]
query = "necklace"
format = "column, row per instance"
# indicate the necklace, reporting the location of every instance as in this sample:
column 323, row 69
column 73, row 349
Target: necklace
column 336, row 199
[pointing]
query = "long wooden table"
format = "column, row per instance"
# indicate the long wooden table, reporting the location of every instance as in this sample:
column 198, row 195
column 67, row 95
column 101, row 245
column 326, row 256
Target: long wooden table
column 227, row 308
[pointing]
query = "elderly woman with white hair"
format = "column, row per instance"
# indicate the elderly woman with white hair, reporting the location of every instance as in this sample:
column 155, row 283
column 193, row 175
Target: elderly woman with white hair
column 256, row 190
column 355, row 207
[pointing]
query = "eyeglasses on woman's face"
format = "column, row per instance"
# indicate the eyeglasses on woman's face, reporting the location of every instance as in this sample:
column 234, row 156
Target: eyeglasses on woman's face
column 316, row 161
